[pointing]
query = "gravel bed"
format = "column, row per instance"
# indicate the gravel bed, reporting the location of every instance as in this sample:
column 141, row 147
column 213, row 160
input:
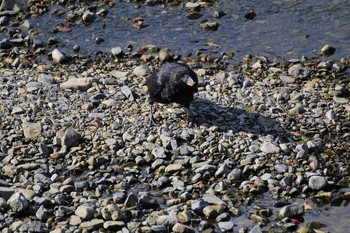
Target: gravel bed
column 77, row 153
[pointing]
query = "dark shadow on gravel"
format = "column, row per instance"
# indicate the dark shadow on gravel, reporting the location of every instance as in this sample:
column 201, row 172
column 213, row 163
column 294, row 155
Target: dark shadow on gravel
column 237, row 119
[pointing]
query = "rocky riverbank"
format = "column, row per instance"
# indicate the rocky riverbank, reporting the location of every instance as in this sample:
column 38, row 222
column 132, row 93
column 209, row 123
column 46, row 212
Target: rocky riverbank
column 77, row 153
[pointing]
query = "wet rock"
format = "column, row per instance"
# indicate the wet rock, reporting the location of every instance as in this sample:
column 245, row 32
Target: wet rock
column 4, row 20
column 164, row 55
column 88, row 17
column 18, row 202
column 191, row 6
column 291, row 210
column 219, row 14
column 256, row 229
column 117, row 51
column 210, row 26
column 250, row 15
column 226, row 226
column 317, row 182
column 327, row 50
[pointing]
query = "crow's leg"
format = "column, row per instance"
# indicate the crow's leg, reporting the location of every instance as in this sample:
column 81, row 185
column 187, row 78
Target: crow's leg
column 151, row 119
column 190, row 116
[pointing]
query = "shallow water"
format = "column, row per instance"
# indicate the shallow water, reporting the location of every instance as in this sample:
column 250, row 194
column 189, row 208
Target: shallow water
column 286, row 28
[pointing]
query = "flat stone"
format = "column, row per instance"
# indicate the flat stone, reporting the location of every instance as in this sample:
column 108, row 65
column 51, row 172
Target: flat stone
column 172, row 168
column 113, row 225
column 212, row 199
column 270, row 148
column 81, row 84
column 31, row 130
column 181, row 228
column 85, row 212
column 140, row 71
column 127, row 92
column 93, row 224
column 119, row 75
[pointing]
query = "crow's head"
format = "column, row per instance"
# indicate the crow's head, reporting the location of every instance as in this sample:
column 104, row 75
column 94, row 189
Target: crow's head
column 188, row 80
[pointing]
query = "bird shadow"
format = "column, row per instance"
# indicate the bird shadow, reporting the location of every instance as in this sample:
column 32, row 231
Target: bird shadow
column 236, row 119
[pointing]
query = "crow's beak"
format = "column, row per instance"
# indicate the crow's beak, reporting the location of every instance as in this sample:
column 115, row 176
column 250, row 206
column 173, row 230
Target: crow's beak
column 189, row 81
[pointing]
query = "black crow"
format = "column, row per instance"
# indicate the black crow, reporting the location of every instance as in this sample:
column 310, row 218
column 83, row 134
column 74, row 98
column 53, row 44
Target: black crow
column 172, row 83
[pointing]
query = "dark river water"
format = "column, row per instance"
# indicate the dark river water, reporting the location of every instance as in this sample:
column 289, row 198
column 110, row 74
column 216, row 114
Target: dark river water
column 281, row 28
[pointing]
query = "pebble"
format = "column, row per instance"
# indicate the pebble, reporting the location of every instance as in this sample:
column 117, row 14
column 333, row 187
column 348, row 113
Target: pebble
column 31, row 130
column 117, row 51
column 58, row 56
column 6, row 192
column 81, row 84
column 18, row 202
column 93, row 224
column 88, row 17
column 270, row 148
column 317, row 182
column 85, row 212
column 181, row 228
column 172, row 168
column 291, row 210
column 70, row 138
column 74, row 138
column 226, row 226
